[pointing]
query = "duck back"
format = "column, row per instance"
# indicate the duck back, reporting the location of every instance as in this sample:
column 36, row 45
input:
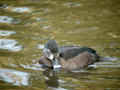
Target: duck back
column 68, row 52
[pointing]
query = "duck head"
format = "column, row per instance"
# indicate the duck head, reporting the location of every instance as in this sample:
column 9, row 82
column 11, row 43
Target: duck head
column 51, row 52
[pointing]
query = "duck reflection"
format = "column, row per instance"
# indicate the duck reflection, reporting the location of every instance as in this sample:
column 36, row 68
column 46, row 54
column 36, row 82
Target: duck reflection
column 51, row 78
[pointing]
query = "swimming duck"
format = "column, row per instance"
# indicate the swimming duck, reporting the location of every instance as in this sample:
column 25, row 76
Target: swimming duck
column 67, row 57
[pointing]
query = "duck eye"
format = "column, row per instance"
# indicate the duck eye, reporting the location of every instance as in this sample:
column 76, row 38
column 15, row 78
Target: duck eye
column 60, row 55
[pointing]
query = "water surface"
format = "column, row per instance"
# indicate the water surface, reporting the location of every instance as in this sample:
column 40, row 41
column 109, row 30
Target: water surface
column 25, row 25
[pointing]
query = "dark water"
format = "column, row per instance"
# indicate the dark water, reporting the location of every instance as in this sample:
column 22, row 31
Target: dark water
column 25, row 25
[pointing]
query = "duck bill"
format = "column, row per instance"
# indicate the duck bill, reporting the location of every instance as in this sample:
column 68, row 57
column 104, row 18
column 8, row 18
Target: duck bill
column 56, row 64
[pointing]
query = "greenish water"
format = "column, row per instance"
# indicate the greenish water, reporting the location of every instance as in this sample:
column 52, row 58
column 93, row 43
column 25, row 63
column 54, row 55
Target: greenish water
column 25, row 25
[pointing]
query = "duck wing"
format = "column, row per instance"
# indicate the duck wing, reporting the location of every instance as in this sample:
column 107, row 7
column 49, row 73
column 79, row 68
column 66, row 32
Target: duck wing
column 68, row 52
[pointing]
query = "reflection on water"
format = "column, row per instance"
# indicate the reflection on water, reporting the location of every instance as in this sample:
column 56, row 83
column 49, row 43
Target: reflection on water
column 15, row 77
column 11, row 45
column 52, row 80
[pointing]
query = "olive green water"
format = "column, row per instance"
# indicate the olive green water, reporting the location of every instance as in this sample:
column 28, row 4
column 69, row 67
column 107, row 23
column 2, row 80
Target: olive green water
column 25, row 25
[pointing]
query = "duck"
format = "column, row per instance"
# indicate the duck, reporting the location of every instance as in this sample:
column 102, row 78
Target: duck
column 67, row 57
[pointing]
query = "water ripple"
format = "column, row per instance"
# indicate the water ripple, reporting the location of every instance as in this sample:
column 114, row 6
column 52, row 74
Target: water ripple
column 32, row 67
column 72, row 4
column 15, row 77
column 59, row 88
column 40, row 46
column 6, row 33
column 21, row 9
column 10, row 45
column 8, row 20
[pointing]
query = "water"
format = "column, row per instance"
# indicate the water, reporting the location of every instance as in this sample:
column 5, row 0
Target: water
column 25, row 26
